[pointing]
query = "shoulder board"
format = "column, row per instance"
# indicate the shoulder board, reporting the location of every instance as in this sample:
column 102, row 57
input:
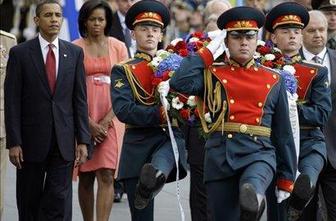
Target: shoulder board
column 219, row 64
column 269, row 69
column 125, row 61
column 312, row 63
column 9, row 35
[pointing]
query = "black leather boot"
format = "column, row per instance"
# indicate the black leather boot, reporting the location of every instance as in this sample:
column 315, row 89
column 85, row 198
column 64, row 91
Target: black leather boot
column 300, row 197
column 150, row 183
column 252, row 204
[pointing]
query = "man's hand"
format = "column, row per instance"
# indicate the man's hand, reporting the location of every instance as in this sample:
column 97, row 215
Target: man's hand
column 81, row 154
column 163, row 88
column 281, row 195
column 217, row 44
column 16, row 156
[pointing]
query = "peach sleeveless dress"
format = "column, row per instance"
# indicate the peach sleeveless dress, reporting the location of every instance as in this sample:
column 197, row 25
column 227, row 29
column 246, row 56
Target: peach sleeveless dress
column 98, row 71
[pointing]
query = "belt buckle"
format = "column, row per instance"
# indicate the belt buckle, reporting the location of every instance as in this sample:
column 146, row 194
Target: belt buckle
column 243, row 128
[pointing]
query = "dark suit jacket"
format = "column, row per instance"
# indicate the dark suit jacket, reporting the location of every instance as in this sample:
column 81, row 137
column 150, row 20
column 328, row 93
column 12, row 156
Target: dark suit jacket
column 117, row 31
column 32, row 114
column 330, row 128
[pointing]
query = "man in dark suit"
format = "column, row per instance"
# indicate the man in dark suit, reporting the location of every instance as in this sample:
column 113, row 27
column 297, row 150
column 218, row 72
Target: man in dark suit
column 119, row 29
column 328, row 7
column 314, row 49
column 46, row 116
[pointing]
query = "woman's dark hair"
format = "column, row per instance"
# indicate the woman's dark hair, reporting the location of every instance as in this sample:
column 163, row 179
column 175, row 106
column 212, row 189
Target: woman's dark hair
column 85, row 12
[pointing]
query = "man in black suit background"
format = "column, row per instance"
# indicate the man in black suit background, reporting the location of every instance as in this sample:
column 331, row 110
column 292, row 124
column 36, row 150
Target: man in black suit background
column 314, row 49
column 119, row 29
column 46, row 118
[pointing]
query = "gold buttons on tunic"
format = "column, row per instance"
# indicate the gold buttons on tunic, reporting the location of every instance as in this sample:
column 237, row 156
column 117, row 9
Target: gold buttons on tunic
column 232, row 101
column 133, row 67
column 268, row 86
column 257, row 120
column 312, row 71
column 260, row 104
column 229, row 136
column 232, row 117
column 232, row 69
column 224, row 81
column 256, row 69
column 274, row 76
column 214, row 69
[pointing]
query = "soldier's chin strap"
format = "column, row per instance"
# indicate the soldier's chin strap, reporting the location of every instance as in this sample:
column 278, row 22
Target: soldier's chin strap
column 176, row 154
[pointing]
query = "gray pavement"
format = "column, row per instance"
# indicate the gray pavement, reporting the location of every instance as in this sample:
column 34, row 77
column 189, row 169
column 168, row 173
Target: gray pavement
column 166, row 207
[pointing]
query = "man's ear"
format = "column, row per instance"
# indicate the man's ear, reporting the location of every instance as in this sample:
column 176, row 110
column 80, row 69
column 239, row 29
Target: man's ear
column 273, row 38
column 36, row 20
column 132, row 34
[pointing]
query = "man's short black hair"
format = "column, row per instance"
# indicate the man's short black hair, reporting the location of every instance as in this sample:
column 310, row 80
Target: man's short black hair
column 41, row 3
column 85, row 12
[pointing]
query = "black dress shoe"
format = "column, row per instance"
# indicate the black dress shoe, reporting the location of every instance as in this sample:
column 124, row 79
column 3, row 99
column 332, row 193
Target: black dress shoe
column 117, row 197
column 252, row 204
column 300, row 197
column 150, row 183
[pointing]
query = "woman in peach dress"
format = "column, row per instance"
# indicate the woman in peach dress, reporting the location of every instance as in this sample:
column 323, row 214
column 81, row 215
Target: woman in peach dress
column 100, row 54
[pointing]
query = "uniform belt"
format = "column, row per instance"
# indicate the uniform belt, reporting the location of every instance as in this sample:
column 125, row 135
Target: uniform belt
column 245, row 129
column 174, row 123
column 308, row 127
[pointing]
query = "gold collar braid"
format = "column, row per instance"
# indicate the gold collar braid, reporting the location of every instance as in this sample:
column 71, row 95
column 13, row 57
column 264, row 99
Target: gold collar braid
column 135, row 85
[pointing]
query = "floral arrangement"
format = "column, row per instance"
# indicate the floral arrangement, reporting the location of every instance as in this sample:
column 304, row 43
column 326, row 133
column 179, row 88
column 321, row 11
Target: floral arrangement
column 270, row 56
column 166, row 62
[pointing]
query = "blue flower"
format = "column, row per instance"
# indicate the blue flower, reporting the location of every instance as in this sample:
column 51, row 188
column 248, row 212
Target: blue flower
column 290, row 81
column 171, row 63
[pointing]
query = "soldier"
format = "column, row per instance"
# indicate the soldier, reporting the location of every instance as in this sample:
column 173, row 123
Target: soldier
column 7, row 41
column 249, row 110
column 285, row 22
column 328, row 7
column 147, row 159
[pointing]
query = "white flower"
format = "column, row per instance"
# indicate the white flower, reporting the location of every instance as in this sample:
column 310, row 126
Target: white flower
column 260, row 42
column 207, row 118
column 289, row 68
column 156, row 61
column 162, row 54
column 193, row 39
column 191, row 101
column 256, row 55
column 276, row 49
column 269, row 57
column 175, row 41
column 176, row 103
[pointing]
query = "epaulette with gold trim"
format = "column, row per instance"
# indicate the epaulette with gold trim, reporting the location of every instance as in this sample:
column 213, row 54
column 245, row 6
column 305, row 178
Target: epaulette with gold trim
column 312, row 63
column 10, row 35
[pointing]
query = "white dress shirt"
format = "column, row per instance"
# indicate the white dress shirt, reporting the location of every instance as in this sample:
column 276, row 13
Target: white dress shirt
column 323, row 55
column 45, row 48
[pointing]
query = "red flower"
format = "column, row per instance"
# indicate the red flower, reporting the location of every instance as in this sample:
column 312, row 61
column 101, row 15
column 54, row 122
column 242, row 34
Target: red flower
column 264, row 50
column 185, row 114
column 180, row 45
column 156, row 81
column 170, row 48
column 199, row 45
column 198, row 34
column 280, row 62
column 196, row 113
column 278, row 55
column 183, row 52
column 183, row 98
column 268, row 64
column 165, row 75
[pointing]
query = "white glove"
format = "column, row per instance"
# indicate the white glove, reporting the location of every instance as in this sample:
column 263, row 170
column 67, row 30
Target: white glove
column 163, row 88
column 281, row 195
column 217, row 44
